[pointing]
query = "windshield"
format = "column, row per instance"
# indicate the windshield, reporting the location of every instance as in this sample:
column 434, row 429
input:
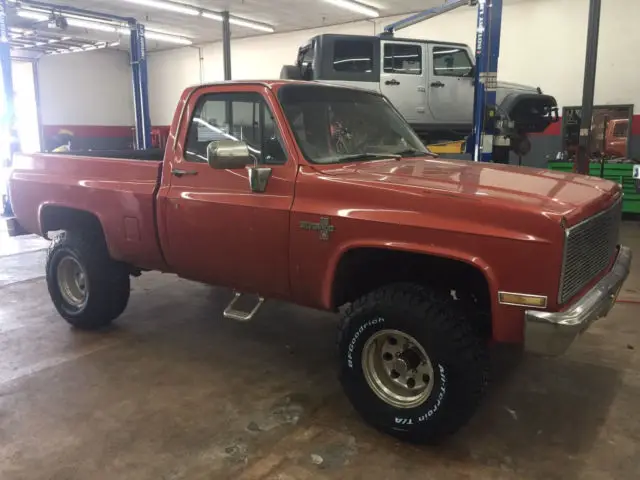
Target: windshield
column 334, row 125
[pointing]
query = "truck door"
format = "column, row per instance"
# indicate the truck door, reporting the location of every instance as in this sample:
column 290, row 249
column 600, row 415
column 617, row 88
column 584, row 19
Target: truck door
column 450, row 86
column 402, row 79
column 218, row 230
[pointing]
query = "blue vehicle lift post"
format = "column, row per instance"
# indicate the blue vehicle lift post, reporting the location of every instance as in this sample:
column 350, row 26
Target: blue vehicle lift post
column 486, row 83
column 487, row 50
column 138, row 62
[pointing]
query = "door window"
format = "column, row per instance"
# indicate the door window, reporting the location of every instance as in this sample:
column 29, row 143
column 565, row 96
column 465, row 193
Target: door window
column 236, row 116
column 402, row 58
column 451, row 62
column 355, row 56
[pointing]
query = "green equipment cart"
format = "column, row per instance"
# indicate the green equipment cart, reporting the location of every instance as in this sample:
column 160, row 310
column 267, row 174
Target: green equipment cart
column 618, row 172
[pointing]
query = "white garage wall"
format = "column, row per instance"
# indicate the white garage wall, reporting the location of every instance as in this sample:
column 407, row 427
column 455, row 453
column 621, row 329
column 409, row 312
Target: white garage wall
column 543, row 44
column 169, row 73
column 262, row 58
column 88, row 88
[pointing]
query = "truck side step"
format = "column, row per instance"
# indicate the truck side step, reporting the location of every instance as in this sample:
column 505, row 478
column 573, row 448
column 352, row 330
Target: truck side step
column 242, row 315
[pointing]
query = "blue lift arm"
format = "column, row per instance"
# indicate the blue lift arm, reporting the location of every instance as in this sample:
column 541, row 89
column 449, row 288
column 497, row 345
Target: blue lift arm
column 426, row 14
column 487, row 50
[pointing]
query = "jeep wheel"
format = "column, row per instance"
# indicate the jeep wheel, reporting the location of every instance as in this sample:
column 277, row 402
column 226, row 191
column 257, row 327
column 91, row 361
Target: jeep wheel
column 411, row 363
column 87, row 287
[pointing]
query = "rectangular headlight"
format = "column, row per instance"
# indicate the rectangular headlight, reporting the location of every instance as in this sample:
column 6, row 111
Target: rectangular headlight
column 522, row 300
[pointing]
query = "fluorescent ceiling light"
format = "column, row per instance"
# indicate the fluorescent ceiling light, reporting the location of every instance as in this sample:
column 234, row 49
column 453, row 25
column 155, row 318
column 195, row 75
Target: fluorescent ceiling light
column 100, row 26
column 194, row 11
column 249, row 24
column 72, row 21
column 212, row 16
column 169, row 6
column 159, row 36
column 239, row 21
column 91, row 25
column 41, row 17
column 163, row 37
column 355, row 7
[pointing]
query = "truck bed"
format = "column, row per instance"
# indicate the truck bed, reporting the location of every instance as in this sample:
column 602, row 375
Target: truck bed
column 121, row 193
column 150, row 154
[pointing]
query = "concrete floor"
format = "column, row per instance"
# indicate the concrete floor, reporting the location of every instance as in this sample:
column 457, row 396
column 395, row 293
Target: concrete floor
column 176, row 392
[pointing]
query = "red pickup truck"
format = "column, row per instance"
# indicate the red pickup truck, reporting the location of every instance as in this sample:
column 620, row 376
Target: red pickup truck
column 323, row 196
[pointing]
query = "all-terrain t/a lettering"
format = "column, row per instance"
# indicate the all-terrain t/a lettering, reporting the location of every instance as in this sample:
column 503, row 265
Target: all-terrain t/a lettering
column 375, row 321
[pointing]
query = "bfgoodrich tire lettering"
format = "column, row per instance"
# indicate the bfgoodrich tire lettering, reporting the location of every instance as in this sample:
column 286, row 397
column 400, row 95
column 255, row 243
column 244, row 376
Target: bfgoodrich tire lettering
column 107, row 281
column 457, row 354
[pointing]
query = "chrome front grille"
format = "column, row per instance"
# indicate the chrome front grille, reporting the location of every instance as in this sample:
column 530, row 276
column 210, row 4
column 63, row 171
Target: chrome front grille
column 589, row 247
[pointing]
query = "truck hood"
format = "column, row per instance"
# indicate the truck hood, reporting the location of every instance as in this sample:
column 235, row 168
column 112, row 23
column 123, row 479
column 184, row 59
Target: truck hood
column 552, row 193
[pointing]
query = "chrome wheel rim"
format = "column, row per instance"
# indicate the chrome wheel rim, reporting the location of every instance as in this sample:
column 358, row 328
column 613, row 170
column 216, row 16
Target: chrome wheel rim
column 72, row 282
column 397, row 369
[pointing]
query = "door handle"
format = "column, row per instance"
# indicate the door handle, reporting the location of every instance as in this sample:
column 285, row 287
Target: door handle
column 437, row 84
column 393, row 81
column 181, row 173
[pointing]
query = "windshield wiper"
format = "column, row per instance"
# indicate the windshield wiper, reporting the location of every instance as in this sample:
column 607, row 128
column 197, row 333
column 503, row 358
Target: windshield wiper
column 412, row 152
column 366, row 156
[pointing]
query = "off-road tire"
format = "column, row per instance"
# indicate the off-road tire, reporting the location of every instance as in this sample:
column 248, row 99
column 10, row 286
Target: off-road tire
column 457, row 352
column 108, row 281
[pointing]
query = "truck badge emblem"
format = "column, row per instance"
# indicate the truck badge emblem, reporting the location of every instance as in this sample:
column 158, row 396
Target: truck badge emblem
column 324, row 227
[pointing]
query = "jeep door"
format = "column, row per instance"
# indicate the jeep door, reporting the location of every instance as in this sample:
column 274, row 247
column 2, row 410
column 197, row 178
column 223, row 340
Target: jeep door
column 403, row 79
column 450, row 86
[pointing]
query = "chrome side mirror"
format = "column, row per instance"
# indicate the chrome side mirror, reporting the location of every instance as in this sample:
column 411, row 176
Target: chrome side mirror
column 228, row 155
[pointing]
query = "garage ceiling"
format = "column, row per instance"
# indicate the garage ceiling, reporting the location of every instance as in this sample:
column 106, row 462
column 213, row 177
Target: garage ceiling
column 282, row 15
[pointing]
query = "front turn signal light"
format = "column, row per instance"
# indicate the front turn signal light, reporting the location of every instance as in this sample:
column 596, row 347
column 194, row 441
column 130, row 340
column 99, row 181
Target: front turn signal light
column 522, row 300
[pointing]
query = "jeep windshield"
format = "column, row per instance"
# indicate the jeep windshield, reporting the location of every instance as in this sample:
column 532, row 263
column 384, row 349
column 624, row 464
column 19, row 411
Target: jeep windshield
column 339, row 125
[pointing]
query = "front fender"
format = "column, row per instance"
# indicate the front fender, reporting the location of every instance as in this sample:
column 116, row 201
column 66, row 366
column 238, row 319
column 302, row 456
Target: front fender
column 531, row 112
column 407, row 247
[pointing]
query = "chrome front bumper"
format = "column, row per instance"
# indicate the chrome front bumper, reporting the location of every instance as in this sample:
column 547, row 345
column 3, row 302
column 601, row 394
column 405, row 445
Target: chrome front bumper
column 551, row 333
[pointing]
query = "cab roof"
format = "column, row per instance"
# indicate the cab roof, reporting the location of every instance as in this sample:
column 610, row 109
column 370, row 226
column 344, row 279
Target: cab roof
column 272, row 84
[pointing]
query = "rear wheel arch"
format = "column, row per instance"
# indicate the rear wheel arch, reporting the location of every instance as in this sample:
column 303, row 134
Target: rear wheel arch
column 57, row 217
